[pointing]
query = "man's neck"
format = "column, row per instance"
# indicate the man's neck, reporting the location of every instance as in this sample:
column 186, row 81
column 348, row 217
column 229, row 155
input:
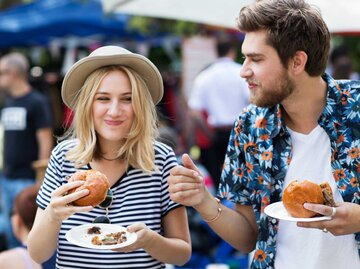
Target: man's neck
column 303, row 108
column 20, row 89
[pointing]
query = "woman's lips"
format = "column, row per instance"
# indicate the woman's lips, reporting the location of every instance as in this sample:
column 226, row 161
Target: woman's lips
column 113, row 122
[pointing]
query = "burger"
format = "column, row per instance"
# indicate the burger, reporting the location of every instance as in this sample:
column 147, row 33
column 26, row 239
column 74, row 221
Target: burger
column 97, row 184
column 299, row 192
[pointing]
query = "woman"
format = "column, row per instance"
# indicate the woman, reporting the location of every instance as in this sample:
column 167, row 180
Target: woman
column 113, row 93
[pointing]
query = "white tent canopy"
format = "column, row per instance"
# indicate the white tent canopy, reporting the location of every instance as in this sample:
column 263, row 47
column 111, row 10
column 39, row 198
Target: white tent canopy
column 340, row 16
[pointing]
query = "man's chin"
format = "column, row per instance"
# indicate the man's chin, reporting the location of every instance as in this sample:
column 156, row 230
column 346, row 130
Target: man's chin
column 261, row 104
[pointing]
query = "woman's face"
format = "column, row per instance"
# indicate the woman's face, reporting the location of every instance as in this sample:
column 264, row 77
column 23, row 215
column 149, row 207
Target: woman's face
column 112, row 107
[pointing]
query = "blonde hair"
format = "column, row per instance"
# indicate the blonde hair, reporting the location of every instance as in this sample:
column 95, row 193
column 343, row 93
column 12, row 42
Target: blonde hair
column 138, row 149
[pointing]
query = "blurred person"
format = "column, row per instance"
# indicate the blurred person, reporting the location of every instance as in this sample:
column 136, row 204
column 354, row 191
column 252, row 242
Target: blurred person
column 217, row 97
column 27, row 121
column 303, row 124
column 169, row 136
column 22, row 219
column 113, row 93
column 341, row 64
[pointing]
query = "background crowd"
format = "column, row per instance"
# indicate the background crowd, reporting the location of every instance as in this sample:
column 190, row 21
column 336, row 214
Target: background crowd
column 198, row 123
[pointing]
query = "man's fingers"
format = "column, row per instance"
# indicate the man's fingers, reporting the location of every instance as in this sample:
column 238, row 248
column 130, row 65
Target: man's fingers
column 321, row 209
column 183, row 195
column 188, row 163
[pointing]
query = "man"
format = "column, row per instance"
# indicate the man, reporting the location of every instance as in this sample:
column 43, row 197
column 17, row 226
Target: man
column 303, row 125
column 218, row 95
column 27, row 122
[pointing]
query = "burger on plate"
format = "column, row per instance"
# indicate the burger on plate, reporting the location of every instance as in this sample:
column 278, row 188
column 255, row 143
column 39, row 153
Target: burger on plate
column 299, row 192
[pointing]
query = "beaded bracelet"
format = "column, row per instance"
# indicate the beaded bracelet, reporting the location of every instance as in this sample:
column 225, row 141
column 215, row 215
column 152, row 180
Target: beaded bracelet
column 219, row 210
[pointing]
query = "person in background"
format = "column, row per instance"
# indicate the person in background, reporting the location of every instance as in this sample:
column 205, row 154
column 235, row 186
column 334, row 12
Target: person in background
column 22, row 219
column 27, row 122
column 303, row 124
column 217, row 97
column 341, row 64
column 113, row 93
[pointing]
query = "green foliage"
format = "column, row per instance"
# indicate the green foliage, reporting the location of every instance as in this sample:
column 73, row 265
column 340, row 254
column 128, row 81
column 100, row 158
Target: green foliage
column 153, row 26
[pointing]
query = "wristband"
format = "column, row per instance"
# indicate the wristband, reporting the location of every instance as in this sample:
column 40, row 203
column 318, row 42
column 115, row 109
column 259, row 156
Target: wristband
column 219, row 210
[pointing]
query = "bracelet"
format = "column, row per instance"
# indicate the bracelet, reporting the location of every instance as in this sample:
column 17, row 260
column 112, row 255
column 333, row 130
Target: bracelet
column 219, row 210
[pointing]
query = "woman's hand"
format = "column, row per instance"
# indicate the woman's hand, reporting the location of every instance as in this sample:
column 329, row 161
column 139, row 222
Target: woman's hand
column 346, row 219
column 60, row 207
column 144, row 237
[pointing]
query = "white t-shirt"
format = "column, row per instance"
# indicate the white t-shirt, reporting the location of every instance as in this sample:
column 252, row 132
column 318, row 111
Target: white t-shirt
column 311, row 248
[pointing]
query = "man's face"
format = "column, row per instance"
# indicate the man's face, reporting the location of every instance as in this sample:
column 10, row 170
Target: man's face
column 5, row 76
column 268, row 80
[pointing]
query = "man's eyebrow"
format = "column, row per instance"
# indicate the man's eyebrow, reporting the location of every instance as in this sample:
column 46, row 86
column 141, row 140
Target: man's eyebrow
column 253, row 54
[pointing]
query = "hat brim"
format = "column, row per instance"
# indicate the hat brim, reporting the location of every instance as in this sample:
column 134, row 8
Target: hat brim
column 78, row 73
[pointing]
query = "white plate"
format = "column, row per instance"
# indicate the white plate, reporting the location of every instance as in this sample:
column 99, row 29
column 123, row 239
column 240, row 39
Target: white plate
column 79, row 235
column 278, row 211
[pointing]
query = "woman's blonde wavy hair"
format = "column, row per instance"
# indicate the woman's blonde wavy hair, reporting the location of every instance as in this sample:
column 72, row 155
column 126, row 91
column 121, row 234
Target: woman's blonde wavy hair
column 137, row 150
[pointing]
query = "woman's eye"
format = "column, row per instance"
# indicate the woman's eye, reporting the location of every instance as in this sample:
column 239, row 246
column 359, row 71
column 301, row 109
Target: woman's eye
column 127, row 99
column 102, row 98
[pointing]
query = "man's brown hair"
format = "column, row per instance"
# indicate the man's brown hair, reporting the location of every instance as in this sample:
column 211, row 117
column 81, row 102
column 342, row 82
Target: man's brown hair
column 291, row 25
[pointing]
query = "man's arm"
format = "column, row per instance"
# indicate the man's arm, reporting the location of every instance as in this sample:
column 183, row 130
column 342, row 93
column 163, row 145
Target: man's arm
column 238, row 227
column 45, row 140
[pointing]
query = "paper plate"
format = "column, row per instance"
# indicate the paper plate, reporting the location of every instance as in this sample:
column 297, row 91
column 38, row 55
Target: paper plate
column 278, row 211
column 79, row 235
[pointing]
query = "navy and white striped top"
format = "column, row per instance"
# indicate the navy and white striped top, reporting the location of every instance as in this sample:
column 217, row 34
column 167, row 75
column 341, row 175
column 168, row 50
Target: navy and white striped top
column 138, row 197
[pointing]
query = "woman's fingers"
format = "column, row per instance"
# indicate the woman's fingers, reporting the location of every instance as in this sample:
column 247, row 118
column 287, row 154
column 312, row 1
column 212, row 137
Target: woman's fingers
column 62, row 190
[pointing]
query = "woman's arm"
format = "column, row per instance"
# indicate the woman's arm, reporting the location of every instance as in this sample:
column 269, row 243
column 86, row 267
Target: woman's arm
column 173, row 248
column 43, row 237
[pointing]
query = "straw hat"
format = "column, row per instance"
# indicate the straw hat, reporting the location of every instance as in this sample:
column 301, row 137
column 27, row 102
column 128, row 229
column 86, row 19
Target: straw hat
column 105, row 56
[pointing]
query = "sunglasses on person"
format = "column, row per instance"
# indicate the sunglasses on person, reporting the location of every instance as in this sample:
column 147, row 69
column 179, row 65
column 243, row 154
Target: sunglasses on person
column 105, row 205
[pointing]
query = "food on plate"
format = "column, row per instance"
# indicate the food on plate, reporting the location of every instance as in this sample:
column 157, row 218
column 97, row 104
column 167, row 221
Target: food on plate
column 299, row 192
column 94, row 230
column 109, row 239
column 97, row 184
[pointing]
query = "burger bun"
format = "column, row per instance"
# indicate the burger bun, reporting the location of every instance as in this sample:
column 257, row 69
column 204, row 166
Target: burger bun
column 97, row 184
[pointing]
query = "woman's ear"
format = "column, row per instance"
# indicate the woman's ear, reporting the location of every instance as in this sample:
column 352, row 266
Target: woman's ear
column 298, row 62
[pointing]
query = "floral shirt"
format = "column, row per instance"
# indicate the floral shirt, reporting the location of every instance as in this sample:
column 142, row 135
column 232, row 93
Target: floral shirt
column 260, row 150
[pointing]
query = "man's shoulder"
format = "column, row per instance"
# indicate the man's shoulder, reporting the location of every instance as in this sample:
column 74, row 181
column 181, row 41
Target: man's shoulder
column 252, row 112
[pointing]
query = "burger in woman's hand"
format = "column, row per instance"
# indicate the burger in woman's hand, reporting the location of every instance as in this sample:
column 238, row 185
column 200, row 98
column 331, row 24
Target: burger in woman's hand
column 299, row 192
column 97, row 184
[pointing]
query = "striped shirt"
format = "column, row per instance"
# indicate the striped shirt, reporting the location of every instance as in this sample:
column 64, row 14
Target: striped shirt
column 138, row 197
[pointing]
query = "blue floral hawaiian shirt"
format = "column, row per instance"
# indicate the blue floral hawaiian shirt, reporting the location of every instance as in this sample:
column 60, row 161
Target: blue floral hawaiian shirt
column 260, row 150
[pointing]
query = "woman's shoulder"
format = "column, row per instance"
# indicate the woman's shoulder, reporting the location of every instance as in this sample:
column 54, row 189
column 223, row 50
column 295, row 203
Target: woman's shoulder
column 162, row 149
column 65, row 145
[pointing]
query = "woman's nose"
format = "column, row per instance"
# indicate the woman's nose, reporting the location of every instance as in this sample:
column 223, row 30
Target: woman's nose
column 114, row 108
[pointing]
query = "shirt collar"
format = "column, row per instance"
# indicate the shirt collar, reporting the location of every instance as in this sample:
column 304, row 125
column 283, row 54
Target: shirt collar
column 333, row 98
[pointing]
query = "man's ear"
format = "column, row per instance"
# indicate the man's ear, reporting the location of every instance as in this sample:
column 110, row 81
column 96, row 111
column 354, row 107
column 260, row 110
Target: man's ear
column 298, row 62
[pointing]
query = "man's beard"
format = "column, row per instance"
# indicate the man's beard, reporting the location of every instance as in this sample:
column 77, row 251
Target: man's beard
column 275, row 93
